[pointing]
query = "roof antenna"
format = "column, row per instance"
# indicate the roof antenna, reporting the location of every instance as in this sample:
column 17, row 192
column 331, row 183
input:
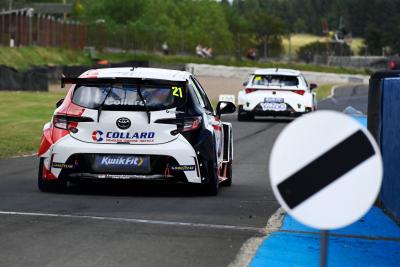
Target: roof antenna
column 133, row 67
column 276, row 69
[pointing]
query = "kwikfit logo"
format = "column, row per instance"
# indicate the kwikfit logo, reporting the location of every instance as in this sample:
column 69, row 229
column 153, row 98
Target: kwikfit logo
column 134, row 161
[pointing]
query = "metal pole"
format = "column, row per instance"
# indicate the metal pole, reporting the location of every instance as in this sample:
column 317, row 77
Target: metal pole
column 324, row 248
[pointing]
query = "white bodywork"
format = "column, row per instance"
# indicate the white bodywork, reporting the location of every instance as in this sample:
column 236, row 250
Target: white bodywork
column 270, row 92
column 163, row 143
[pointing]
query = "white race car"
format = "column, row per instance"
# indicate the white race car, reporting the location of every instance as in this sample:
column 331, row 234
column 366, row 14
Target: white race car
column 136, row 124
column 276, row 92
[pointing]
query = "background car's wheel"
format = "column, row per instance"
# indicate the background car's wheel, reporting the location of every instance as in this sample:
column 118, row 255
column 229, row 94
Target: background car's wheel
column 58, row 185
column 211, row 188
column 243, row 115
column 228, row 181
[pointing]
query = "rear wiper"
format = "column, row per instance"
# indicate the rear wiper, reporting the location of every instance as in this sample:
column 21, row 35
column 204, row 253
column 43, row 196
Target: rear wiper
column 100, row 109
column 144, row 103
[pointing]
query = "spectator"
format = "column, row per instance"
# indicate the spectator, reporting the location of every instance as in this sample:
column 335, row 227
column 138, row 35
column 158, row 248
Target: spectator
column 251, row 54
column 165, row 48
column 199, row 50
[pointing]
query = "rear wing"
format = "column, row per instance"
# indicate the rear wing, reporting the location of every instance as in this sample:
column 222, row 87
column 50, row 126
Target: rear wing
column 131, row 81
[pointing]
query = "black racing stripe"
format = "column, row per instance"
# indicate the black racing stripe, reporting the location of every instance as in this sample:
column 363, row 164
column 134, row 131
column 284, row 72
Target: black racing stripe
column 326, row 169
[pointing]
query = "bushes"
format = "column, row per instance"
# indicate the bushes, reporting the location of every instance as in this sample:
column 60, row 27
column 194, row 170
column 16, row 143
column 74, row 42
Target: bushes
column 307, row 52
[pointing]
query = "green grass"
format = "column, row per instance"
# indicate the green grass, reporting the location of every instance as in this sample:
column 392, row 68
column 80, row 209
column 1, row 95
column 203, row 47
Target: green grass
column 22, row 58
column 299, row 40
column 324, row 91
column 22, row 116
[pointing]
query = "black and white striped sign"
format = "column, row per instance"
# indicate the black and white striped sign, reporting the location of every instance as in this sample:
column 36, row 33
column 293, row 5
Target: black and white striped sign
column 326, row 170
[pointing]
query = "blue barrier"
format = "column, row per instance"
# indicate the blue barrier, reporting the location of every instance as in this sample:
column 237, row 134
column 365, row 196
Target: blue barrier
column 390, row 145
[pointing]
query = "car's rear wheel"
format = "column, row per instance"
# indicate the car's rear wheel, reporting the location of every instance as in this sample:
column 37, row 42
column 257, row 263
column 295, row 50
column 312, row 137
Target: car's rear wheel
column 211, row 188
column 58, row 185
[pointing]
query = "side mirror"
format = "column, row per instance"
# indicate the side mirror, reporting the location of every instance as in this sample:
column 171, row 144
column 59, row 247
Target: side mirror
column 59, row 102
column 313, row 86
column 225, row 107
column 245, row 83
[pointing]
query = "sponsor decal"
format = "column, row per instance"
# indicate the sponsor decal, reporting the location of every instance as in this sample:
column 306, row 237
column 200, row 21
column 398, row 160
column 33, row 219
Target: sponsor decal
column 62, row 165
column 273, row 100
column 119, row 137
column 96, row 136
column 120, row 160
column 183, row 168
column 273, row 106
column 131, row 164
column 123, row 102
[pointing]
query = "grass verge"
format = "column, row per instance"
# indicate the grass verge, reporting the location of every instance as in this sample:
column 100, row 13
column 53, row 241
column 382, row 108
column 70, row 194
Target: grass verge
column 22, row 116
column 174, row 59
column 23, row 57
column 324, row 91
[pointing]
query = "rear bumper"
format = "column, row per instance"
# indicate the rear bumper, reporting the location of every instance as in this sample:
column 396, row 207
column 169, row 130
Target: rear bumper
column 258, row 111
column 67, row 148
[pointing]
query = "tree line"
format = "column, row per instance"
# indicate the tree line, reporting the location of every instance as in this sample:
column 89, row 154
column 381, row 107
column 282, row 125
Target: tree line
column 231, row 27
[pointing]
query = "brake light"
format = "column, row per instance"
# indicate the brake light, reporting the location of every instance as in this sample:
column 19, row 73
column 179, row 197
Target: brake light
column 249, row 90
column 300, row 92
column 192, row 124
column 183, row 124
column 60, row 122
column 65, row 122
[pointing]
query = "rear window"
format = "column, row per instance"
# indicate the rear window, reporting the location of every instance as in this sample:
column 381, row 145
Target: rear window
column 275, row 80
column 127, row 97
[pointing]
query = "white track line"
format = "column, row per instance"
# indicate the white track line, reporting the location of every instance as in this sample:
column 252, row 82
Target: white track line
column 249, row 248
column 132, row 220
column 332, row 94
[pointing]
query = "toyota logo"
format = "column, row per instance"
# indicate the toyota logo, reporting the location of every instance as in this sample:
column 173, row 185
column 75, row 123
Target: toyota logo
column 123, row 123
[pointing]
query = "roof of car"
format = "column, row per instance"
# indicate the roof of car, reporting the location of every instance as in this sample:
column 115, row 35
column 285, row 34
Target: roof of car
column 146, row 73
column 277, row 71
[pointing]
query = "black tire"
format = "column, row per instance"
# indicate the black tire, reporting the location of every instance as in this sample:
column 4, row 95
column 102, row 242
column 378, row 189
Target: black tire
column 244, row 116
column 228, row 182
column 58, row 185
column 212, row 186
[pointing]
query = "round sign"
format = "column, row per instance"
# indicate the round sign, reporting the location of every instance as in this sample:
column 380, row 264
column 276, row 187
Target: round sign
column 326, row 170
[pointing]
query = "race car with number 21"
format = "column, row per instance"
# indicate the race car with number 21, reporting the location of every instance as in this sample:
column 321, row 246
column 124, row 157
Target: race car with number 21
column 136, row 124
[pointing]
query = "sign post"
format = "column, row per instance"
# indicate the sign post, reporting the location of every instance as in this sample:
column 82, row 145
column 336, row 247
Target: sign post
column 325, row 171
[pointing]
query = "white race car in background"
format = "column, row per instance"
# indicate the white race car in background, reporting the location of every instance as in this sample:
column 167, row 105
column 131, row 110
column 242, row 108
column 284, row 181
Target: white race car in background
column 276, row 92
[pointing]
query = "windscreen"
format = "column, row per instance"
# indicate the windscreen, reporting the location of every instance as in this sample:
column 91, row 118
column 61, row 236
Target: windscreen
column 128, row 97
column 275, row 80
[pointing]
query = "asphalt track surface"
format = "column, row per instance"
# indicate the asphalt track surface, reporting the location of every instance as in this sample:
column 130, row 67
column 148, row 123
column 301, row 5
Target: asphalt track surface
column 142, row 225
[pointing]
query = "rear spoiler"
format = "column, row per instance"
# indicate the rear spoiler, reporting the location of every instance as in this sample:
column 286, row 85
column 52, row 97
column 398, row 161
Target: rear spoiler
column 133, row 81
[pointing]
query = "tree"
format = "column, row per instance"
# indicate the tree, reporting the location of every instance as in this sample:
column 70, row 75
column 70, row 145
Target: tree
column 269, row 30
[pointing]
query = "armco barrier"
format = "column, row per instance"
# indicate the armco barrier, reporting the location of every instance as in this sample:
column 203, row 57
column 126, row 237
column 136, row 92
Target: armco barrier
column 244, row 72
column 383, row 122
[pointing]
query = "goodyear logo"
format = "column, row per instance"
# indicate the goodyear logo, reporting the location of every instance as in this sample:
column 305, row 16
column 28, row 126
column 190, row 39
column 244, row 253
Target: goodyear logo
column 183, row 168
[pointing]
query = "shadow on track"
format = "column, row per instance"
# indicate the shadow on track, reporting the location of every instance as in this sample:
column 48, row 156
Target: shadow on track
column 134, row 188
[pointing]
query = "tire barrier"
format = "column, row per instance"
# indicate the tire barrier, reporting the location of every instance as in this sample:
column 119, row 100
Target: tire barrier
column 13, row 80
column 37, row 78
column 383, row 117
